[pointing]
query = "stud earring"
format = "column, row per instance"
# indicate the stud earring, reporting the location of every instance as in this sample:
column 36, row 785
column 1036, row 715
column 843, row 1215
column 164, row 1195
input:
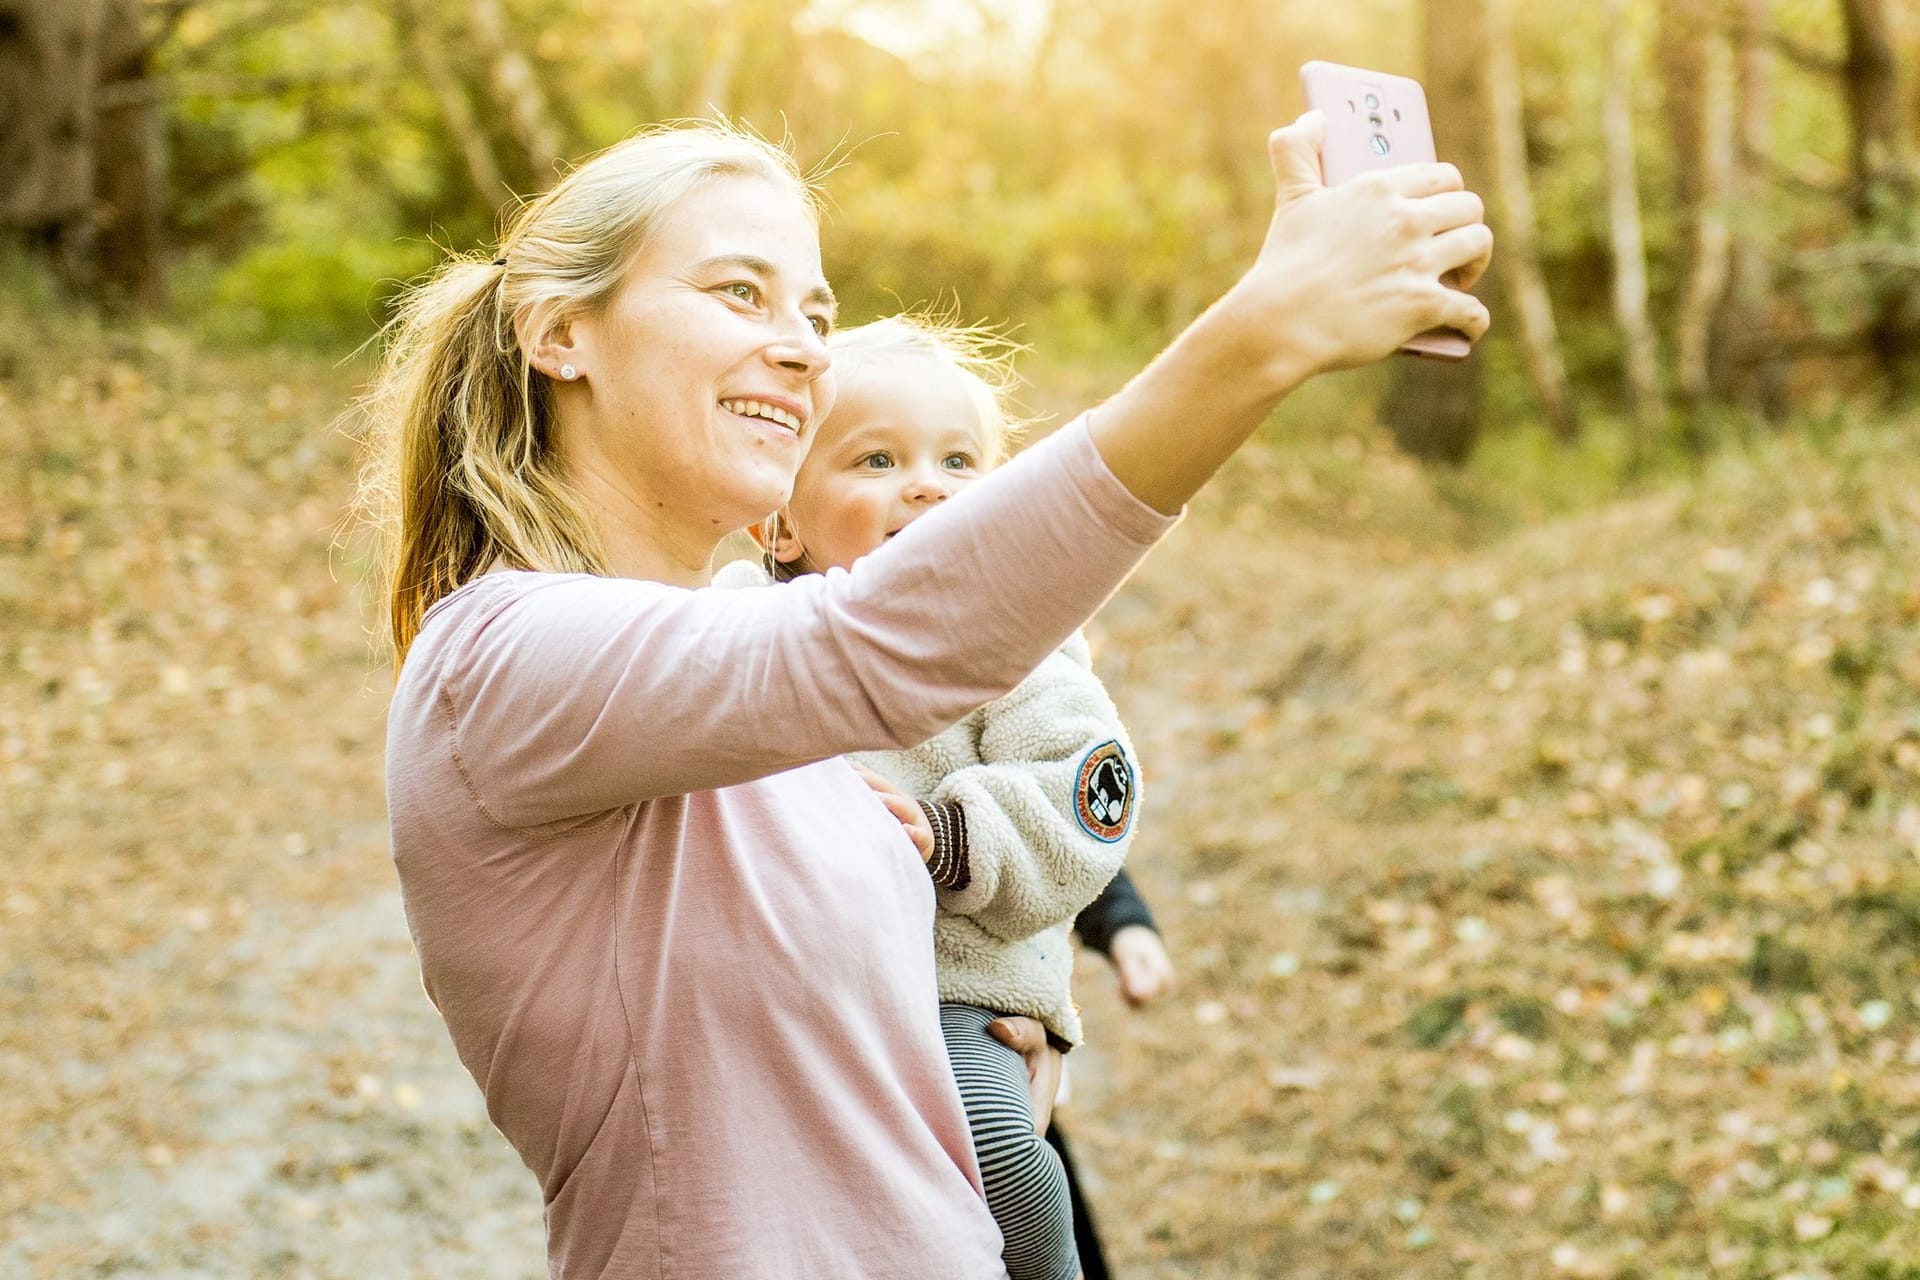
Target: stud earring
column 568, row 373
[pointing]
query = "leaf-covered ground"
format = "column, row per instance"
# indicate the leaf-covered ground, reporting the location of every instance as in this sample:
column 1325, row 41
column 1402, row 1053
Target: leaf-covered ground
column 1544, row 906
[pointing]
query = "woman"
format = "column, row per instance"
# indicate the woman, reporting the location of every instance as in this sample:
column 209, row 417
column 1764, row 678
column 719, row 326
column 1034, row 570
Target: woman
column 681, row 946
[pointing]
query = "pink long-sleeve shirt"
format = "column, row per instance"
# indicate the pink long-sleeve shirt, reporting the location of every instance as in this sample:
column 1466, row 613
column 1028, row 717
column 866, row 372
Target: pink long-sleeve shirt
column 681, row 946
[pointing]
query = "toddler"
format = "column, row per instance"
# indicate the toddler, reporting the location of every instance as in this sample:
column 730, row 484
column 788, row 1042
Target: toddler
column 1023, row 810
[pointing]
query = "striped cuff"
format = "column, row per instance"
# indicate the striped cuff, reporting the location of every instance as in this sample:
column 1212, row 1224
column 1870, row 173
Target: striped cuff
column 948, row 866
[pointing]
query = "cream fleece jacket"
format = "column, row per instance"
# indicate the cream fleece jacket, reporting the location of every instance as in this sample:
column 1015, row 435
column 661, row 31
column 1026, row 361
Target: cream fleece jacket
column 1046, row 779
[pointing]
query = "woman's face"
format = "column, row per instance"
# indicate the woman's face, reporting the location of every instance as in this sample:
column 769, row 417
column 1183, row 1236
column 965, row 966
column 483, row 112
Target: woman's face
column 703, row 380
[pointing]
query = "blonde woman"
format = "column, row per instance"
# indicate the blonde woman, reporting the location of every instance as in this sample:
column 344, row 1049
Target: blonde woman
column 683, row 949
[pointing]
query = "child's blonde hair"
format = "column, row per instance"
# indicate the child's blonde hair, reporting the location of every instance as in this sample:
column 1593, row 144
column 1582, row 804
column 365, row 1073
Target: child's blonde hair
column 982, row 355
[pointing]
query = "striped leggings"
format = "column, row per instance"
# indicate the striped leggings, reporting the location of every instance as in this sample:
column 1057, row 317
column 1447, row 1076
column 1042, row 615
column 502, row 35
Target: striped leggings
column 1026, row 1187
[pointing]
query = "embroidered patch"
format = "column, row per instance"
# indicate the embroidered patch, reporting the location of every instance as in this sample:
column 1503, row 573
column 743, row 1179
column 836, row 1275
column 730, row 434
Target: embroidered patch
column 1103, row 794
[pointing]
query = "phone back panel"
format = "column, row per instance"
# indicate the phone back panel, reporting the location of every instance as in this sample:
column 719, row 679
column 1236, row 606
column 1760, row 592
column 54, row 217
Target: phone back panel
column 1376, row 121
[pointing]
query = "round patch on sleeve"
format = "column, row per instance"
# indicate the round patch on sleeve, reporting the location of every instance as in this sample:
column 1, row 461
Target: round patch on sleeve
column 1103, row 793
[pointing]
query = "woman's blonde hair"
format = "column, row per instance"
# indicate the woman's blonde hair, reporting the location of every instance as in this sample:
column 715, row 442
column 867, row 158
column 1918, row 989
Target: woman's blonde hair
column 981, row 354
column 462, row 466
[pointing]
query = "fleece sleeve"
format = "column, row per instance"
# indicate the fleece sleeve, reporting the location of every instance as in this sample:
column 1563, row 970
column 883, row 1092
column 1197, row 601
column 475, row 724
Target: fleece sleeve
column 1050, row 809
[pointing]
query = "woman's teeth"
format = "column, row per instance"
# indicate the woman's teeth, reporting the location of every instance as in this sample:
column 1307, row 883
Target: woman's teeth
column 757, row 409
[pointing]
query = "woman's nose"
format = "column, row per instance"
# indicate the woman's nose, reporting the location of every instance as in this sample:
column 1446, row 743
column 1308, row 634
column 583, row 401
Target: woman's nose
column 801, row 349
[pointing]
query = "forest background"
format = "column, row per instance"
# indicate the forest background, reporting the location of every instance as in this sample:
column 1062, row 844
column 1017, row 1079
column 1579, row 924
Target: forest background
column 1542, row 867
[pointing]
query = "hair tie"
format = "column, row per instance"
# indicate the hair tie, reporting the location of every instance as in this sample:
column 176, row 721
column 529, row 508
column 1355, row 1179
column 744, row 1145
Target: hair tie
column 500, row 261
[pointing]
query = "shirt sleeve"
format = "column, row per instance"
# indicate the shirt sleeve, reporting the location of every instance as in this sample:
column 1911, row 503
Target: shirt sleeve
column 1119, row 906
column 1050, row 810
column 571, row 695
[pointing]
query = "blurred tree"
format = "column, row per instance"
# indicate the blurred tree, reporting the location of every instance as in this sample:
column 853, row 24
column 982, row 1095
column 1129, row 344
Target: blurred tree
column 1755, row 370
column 428, row 43
column 1696, row 55
column 1883, row 192
column 517, row 92
column 1433, row 407
column 78, row 140
column 1518, row 229
column 1647, row 397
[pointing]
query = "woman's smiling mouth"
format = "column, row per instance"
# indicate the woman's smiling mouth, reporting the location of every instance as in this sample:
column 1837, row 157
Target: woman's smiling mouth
column 765, row 412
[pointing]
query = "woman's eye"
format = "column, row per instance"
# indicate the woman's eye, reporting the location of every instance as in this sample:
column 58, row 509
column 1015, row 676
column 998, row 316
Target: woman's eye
column 742, row 290
column 877, row 461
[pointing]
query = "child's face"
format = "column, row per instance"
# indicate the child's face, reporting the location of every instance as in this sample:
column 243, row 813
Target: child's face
column 903, row 437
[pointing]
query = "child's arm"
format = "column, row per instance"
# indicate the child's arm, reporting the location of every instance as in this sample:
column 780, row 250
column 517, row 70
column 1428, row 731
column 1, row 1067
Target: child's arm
column 1031, row 835
column 1120, row 927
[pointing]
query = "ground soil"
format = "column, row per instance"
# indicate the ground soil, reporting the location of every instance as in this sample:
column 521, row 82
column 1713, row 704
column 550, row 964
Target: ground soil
column 1544, row 904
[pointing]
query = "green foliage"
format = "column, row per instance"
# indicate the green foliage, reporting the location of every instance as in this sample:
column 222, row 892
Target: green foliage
column 1092, row 175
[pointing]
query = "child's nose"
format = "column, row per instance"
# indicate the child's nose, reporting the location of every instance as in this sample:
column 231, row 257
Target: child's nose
column 929, row 486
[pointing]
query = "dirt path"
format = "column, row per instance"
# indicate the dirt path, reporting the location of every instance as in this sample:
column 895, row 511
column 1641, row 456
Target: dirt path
column 295, row 1163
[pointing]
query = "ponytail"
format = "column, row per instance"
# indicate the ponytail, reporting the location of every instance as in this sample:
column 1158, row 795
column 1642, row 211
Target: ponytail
column 461, row 452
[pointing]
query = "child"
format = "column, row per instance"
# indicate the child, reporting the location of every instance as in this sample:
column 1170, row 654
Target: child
column 1024, row 809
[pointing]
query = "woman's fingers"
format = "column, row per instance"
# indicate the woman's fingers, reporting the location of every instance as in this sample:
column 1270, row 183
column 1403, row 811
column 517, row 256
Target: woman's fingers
column 1461, row 255
column 1417, row 181
column 1433, row 215
column 1465, row 313
column 1294, row 153
column 1028, row 1038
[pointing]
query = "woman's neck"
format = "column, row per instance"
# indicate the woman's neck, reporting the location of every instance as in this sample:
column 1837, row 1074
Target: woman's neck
column 641, row 541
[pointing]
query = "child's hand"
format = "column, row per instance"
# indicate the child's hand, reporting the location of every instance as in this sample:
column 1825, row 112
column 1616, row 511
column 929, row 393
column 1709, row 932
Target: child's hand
column 1141, row 963
column 902, row 806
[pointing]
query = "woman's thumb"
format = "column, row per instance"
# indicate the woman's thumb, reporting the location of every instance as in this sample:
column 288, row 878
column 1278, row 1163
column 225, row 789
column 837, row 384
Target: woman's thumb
column 1294, row 153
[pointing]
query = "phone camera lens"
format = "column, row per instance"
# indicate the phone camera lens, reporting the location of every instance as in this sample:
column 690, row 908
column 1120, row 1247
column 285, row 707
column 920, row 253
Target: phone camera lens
column 1375, row 120
column 1373, row 102
column 1380, row 144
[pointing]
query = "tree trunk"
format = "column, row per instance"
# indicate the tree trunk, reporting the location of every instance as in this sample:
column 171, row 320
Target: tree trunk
column 1882, row 185
column 1519, row 235
column 129, row 177
column 1708, row 260
column 519, row 88
column 1433, row 407
column 49, row 72
column 428, row 43
column 1758, row 374
column 1648, row 400
column 1873, row 104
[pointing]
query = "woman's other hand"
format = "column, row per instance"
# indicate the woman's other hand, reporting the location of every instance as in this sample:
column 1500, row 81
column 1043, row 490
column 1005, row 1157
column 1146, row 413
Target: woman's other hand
column 902, row 806
column 1141, row 963
column 1028, row 1038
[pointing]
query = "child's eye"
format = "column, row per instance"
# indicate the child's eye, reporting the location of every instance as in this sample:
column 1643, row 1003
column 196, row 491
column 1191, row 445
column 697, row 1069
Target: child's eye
column 879, row 460
column 822, row 325
column 958, row 462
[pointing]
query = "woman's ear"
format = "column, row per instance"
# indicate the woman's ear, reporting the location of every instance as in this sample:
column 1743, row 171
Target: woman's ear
column 775, row 536
column 553, row 347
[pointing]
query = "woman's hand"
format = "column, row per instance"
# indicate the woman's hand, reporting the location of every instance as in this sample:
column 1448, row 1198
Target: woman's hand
column 902, row 806
column 1346, row 275
column 1141, row 962
column 1349, row 273
column 1028, row 1038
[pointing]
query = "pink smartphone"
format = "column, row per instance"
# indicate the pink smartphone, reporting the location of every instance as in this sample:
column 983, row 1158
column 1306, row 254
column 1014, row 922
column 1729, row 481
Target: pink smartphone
column 1376, row 121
